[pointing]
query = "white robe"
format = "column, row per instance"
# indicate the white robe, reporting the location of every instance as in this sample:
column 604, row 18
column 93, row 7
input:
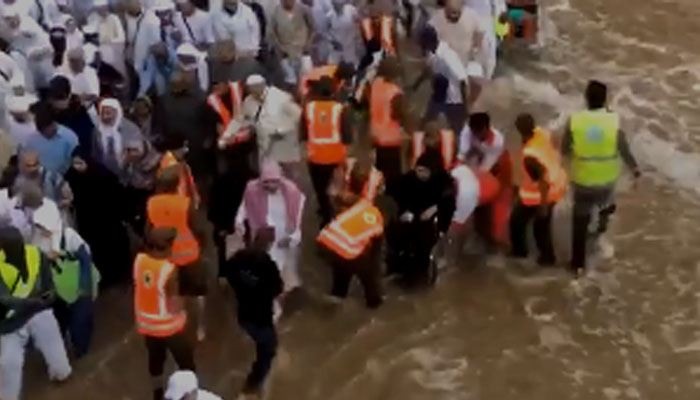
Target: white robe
column 286, row 258
column 343, row 28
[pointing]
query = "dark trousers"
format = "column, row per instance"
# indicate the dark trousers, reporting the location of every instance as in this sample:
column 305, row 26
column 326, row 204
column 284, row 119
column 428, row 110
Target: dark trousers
column 519, row 220
column 77, row 320
column 321, row 175
column 265, row 338
column 180, row 349
column 366, row 271
column 586, row 200
column 389, row 163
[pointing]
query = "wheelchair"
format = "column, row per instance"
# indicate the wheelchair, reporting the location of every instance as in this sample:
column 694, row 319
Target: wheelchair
column 410, row 251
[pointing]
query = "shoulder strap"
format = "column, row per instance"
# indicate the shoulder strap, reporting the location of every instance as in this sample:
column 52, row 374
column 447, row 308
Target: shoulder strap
column 189, row 28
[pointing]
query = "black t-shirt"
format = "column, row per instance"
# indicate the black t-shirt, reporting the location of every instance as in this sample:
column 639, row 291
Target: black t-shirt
column 256, row 281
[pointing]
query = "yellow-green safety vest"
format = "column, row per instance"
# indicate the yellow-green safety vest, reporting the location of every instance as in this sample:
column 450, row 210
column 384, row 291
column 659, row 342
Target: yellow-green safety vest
column 11, row 278
column 502, row 29
column 596, row 159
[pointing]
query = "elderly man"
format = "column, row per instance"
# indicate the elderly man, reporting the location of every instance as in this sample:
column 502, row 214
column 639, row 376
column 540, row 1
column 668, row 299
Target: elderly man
column 274, row 201
column 83, row 78
column 52, row 184
column 112, row 131
column 159, row 26
column 291, row 31
column 275, row 116
column 237, row 21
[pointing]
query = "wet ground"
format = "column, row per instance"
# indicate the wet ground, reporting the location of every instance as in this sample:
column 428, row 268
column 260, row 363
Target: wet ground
column 491, row 329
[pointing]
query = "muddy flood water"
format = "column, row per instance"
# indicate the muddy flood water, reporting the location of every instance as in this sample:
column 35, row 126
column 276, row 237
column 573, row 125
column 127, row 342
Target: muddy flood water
column 489, row 330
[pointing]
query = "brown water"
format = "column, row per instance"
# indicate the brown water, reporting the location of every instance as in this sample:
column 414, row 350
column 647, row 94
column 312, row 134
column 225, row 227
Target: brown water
column 630, row 330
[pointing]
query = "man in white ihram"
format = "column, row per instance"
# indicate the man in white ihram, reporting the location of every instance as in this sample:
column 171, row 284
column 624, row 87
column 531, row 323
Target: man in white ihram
column 183, row 385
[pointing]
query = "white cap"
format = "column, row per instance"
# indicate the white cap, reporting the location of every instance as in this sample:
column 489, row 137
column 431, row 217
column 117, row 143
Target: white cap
column 180, row 384
column 255, row 80
column 90, row 29
column 163, row 5
column 100, row 3
column 20, row 104
column 10, row 11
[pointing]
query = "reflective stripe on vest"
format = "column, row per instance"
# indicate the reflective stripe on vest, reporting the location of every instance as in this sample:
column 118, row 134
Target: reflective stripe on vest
column 374, row 182
column 540, row 148
column 324, row 144
column 447, row 147
column 11, row 277
column 350, row 233
column 236, row 91
column 172, row 210
column 153, row 314
column 596, row 160
column 385, row 130
column 386, row 32
column 186, row 185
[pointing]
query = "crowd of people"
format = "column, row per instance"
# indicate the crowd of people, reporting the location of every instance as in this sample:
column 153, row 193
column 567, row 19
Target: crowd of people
column 145, row 131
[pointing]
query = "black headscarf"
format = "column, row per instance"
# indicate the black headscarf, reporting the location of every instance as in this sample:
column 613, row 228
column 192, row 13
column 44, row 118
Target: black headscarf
column 12, row 244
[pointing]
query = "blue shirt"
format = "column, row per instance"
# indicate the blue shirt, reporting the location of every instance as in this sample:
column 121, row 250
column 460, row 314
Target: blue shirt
column 54, row 153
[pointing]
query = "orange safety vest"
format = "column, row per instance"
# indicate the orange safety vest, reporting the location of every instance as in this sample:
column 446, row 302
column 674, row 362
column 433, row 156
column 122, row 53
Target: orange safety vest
column 349, row 234
column 374, row 183
column 172, row 210
column 324, row 123
column 214, row 101
column 447, row 147
column 186, row 187
column 386, row 30
column 385, row 130
column 315, row 74
column 154, row 316
column 540, row 147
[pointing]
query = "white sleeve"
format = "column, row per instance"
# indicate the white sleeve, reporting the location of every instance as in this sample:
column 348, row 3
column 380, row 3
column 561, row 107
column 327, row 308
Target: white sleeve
column 119, row 35
column 73, row 241
column 465, row 141
column 296, row 235
column 93, row 81
column 455, row 66
column 254, row 28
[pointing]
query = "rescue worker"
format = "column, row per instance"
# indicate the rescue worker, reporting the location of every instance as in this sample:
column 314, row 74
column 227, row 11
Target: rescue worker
column 160, row 314
column 373, row 188
column 168, row 208
column 327, row 131
column 26, row 295
column 595, row 142
column 226, row 100
column 441, row 140
column 341, row 74
column 175, row 157
column 387, row 116
column 482, row 147
column 353, row 240
column 380, row 24
column 544, row 184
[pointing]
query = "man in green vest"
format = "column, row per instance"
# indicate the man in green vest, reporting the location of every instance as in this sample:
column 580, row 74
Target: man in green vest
column 26, row 295
column 596, row 145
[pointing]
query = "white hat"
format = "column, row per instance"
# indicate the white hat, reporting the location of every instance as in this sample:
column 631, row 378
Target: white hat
column 163, row 5
column 180, row 384
column 255, row 80
column 19, row 104
column 100, row 3
column 11, row 11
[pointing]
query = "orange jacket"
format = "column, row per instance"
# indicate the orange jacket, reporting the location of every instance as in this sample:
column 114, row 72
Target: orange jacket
column 324, row 124
column 154, row 315
column 172, row 210
column 386, row 30
column 540, row 148
column 315, row 74
column 385, row 130
column 351, row 232
column 187, row 186
column 447, row 147
column 226, row 115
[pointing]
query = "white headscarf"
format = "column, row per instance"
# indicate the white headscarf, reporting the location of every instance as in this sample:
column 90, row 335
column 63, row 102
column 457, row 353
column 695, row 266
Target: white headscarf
column 49, row 218
column 107, row 131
